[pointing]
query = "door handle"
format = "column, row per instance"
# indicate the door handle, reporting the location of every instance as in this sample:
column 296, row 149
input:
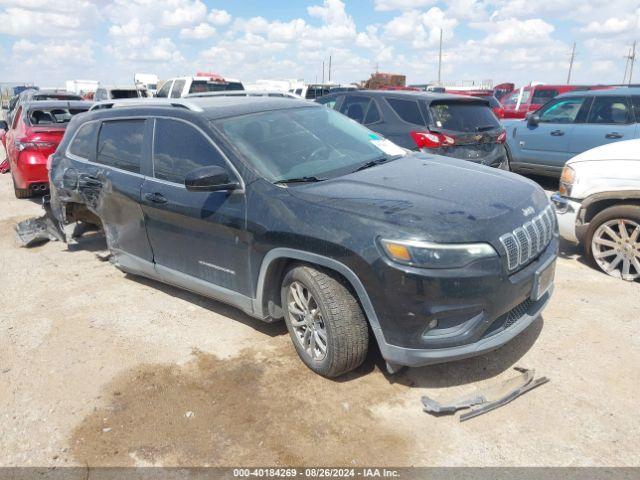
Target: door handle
column 557, row 133
column 613, row 135
column 155, row 197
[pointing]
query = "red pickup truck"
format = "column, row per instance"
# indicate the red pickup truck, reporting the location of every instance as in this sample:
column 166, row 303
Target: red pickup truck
column 529, row 99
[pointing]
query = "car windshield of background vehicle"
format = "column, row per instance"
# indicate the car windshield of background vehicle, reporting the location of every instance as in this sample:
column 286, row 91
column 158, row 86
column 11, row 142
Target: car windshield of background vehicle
column 562, row 111
column 124, row 93
column 610, row 110
column 513, row 98
column 201, row 86
column 541, row 97
column 463, row 116
column 319, row 142
column 53, row 116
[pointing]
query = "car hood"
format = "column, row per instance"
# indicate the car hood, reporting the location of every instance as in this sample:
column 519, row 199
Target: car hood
column 626, row 150
column 433, row 198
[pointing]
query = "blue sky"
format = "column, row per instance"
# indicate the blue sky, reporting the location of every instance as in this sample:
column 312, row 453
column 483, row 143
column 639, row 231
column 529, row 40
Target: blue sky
column 48, row 42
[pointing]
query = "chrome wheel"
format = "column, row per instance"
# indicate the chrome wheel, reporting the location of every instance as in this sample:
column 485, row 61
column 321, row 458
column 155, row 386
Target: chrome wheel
column 616, row 248
column 306, row 321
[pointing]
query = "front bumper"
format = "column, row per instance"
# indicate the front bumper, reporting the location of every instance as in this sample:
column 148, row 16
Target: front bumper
column 567, row 213
column 474, row 315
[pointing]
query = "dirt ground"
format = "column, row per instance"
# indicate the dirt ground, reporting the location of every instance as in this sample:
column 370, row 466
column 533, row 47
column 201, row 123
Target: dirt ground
column 102, row 368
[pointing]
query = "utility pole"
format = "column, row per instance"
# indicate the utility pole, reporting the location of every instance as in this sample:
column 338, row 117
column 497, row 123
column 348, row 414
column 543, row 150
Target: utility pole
column 440, row 61
column 626, row 66
column 323, row 71
column 573, row 55
column 329, row 68
column 632, row 59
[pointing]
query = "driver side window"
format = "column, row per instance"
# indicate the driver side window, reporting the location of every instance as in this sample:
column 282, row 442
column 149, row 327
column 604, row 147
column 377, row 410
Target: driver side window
column 564, row 110
column 179, row 148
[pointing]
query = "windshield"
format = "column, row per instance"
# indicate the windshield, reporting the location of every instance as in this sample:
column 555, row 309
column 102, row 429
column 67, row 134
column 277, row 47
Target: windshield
column 200, row 86
column 305, row 142
column 51, row 116
column 125, row 93
column 463, row 116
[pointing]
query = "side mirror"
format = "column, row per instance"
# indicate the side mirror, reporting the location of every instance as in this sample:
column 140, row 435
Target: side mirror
column 533, row 119
column 209, row 179
column 4, row 125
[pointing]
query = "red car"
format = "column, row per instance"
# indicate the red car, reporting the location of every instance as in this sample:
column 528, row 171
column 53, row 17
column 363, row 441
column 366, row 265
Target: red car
column 36, row 130
column 533, row 97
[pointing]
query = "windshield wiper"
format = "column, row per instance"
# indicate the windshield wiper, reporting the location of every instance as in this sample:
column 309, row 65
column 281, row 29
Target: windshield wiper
column 300, row 180
column 375, row 162
column 484, row 128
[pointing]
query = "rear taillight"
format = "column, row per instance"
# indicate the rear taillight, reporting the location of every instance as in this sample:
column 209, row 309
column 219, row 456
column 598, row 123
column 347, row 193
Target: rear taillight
column 502, row 137
column 431, row 140
column 22, row 145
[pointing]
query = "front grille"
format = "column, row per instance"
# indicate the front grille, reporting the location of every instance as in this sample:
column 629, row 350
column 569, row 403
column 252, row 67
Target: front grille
column 510, row 318
column 518, row 312
column 527, row 241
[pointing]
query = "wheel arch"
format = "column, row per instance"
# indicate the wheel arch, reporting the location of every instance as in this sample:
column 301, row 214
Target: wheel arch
column 596, row 203
column 276, row 262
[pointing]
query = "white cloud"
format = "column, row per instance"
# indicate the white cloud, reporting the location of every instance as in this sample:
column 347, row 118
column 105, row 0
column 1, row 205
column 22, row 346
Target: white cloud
column 20, row 21
column 199, row 32
column 130, row 29
column 512, row 31
column 421, row 29
column 219, row 17
column 388, row 5
column 611, row 26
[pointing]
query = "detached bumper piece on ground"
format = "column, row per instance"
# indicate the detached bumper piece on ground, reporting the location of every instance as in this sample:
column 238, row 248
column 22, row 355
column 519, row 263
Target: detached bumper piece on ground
column 488, row 399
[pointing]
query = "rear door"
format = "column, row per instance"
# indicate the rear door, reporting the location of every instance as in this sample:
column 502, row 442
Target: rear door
column 610, row 119
column 547, row 143
column 199, row 235
column 108, row 157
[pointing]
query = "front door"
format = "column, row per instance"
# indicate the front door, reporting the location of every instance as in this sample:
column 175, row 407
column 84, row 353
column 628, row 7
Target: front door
column 610, row 120
column 197, row 238
column 547, row 142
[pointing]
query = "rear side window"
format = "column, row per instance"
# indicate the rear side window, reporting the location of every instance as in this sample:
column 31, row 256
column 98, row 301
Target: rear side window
column 463, row 116
column 120, row 144
column 355, row 107
column 543, row 96
column 164, row 91
column 85, row 141
column 636, row 108
column 180, row 148
column 373, row 114
column 614, row 110
column 178, row 86
column 407, row 110
column 200, row 86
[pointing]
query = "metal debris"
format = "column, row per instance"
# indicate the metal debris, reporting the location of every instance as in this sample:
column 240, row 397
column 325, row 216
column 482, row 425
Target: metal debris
column 488, row 399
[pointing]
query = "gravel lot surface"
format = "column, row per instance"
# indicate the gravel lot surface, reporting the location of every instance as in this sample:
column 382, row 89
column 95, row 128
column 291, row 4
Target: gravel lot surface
column 102, row 368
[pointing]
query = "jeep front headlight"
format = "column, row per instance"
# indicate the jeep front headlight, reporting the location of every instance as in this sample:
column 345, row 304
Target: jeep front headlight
column 436, row 255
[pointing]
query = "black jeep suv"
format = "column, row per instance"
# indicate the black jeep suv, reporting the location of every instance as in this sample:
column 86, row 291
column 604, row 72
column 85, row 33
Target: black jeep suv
column 285, row 208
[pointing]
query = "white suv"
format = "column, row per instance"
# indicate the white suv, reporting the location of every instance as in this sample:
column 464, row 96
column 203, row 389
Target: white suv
column 200, row 83
column 598, row 205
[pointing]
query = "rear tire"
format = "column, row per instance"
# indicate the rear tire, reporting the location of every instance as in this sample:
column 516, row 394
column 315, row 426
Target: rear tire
column 609, row 246
column 20, row 192
column 325, row 321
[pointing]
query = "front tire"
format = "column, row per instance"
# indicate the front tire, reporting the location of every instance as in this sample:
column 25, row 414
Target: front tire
column 325, row 321
column 612, row 241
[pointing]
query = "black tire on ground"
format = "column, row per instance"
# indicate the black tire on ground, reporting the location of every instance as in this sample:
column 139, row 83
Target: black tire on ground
column 346, row 327
column 20, row 192
column 624, row 212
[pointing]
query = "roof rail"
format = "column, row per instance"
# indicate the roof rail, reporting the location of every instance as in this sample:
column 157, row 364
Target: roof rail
column 243, row 93
column 145, row 102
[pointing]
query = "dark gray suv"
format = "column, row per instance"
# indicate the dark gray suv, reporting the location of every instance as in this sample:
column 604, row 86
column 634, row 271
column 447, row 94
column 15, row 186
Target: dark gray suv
column 451, row 125
column 286, row 209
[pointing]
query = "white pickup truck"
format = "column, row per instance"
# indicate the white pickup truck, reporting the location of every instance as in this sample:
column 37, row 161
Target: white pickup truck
column 598, row 205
